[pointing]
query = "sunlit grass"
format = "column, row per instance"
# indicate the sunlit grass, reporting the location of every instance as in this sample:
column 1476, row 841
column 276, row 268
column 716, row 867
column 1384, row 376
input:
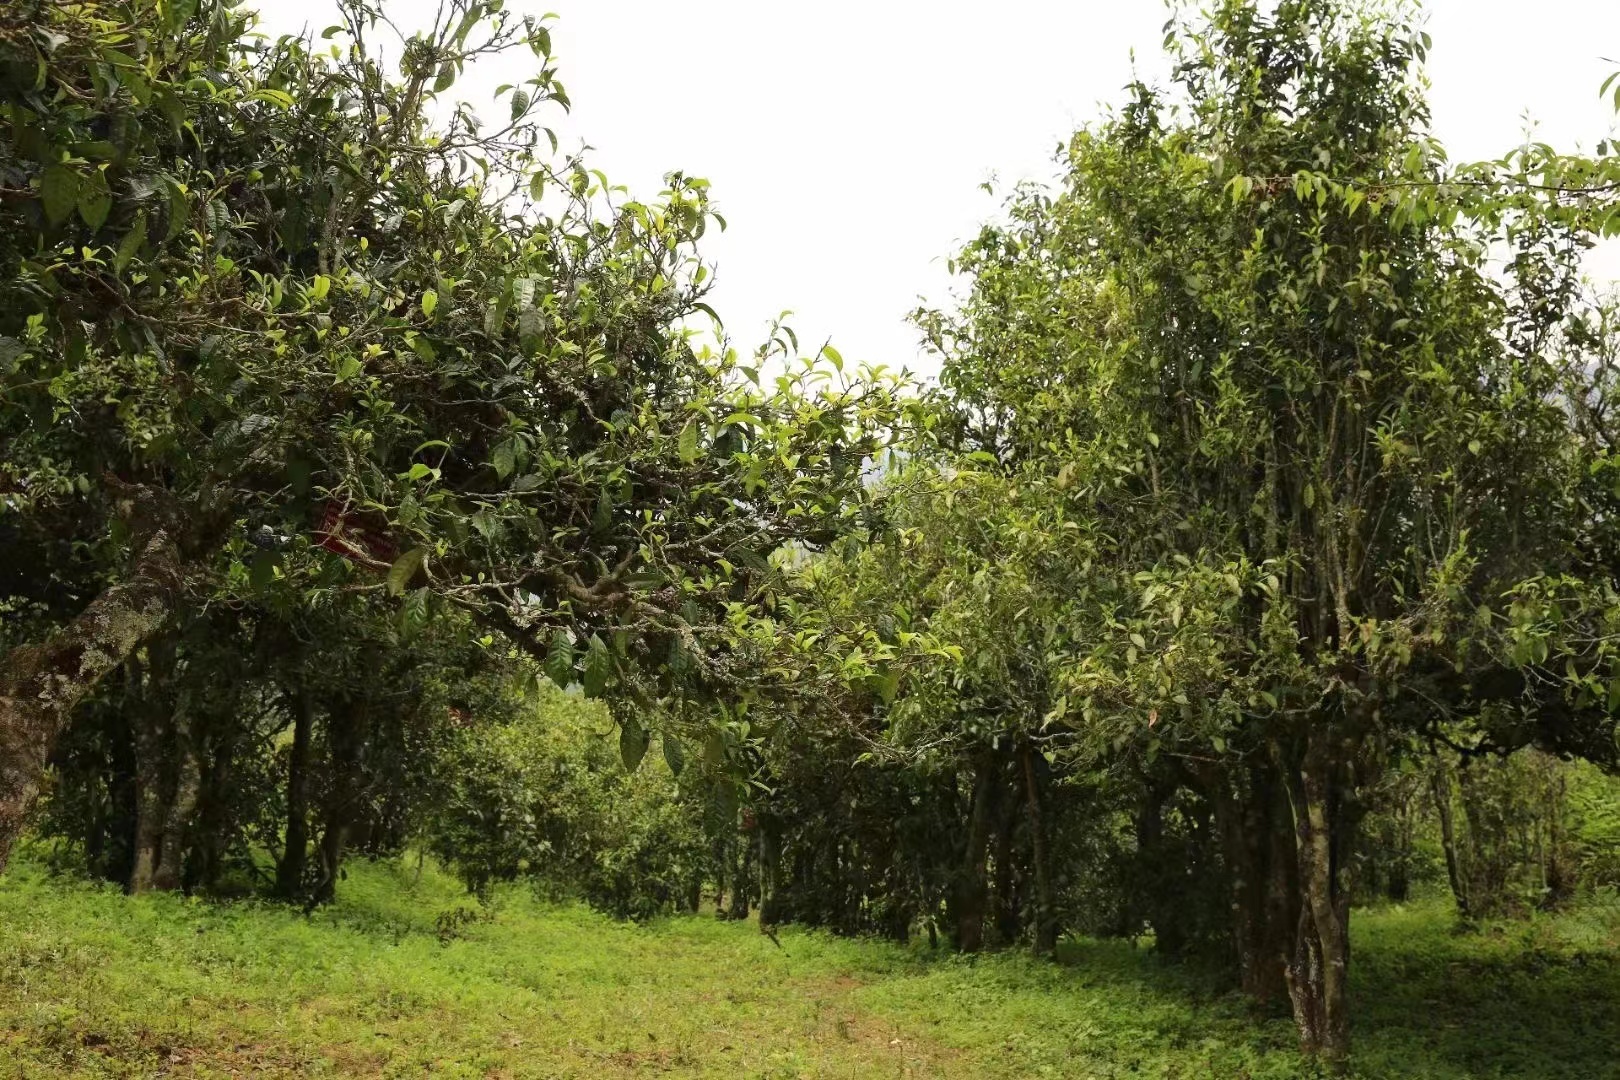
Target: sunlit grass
column 387, row 984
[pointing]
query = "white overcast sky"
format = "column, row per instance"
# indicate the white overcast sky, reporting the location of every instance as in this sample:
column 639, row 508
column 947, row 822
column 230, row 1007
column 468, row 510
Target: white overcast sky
column 846, row 139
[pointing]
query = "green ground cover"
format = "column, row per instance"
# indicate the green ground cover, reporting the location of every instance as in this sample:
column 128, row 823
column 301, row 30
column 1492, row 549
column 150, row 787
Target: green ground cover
column 392, row 982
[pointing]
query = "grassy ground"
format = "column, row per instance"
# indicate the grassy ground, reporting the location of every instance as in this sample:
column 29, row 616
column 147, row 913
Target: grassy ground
column 93, row 984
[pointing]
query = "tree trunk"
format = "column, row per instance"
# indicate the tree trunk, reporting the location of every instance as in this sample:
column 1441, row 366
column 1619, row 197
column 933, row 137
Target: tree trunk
column 215, row 815
column 345, row 735
column 148, row 812
column 295, row 852
column 740, row 885
column 971, row 886
column 148, row 681
column 1440, row 786
column 1005, row 914
column 1258, row 848
column 1045, row 916
column 334, row 842
column 181, row 803
column 1319, row 970
column 40, row 684
column 770, row 857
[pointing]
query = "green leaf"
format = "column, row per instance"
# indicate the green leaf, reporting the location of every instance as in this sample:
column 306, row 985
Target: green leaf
column 885, row 685
column 688, row 444
column 430, row 300
column 835, row 356
column 598, row 667
column 180, row 11
column 714, row 748
column 504, row 459
column 179, row 209
column 59, row 191
column 633, row 741
column 131, row 244
column 94, row 201
column 279, row 98
column 560, row 660
column 404, row 569
column 520, row 103
column 415, row 612
column 674, row 754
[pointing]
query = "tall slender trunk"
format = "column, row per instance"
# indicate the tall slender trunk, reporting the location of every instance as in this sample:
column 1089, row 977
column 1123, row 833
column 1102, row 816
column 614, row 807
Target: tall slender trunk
column 295, row 852
column 148, row 682
column 40, row 684
column 740, row 884
column 1440, row 788
column 971, row 885
column 1005, row 913
column 1045, row 919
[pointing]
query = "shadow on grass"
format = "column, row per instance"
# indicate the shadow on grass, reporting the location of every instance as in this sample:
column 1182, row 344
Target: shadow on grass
column 1509, row 1000
column 1539, row 1000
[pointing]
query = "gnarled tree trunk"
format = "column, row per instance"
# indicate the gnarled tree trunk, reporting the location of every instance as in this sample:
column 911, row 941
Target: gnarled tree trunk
column 40, row 684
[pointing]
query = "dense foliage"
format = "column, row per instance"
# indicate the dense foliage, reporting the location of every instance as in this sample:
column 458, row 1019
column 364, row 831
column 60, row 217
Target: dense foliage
column 1255, row 557
column 273, row 336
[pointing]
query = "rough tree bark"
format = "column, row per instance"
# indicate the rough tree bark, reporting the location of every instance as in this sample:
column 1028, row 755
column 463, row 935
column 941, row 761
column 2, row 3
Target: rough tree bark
column 40, row 684
column 1318, row 972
